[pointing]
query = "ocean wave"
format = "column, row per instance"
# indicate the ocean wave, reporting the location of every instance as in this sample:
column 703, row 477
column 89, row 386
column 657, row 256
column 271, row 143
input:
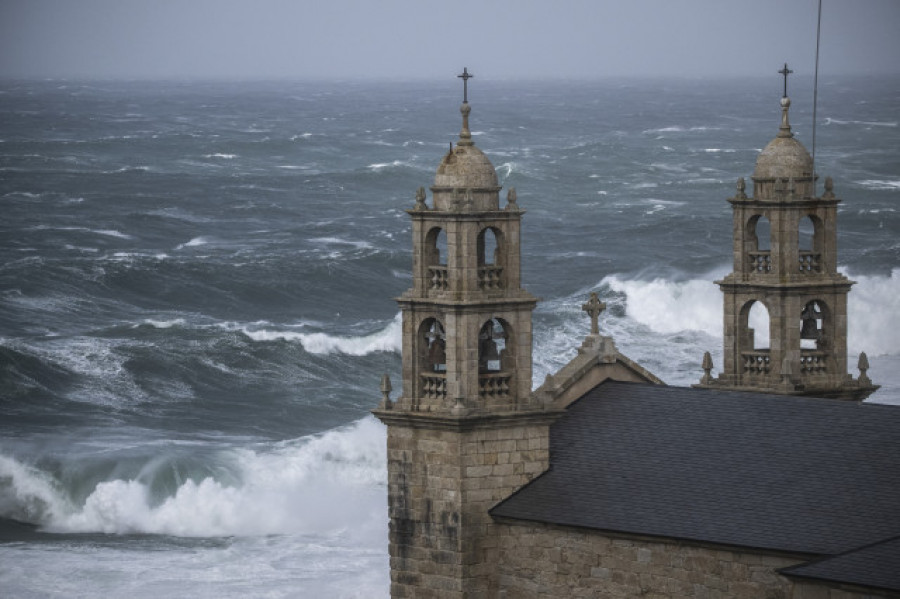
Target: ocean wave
column 666, row 306
column 219, row 155
column 196, row 241
column 322, row 483
column 386, row 340
column 831, row 121
column 881, row 184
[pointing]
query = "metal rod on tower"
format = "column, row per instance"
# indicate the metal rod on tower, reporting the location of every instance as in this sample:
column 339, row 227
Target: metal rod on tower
column 816, row 96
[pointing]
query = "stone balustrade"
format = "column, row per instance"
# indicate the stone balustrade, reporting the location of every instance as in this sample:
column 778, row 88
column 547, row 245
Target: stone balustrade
column 761, row 261
column 434, row 385
column 490, row 277
column 437, row 276
column 813, row 362
column 810, row 262
column 494, row 385
column 756, row 362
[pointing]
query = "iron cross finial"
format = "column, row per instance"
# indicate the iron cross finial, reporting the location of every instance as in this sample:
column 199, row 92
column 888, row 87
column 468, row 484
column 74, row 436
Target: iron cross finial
column 785, row 71
column 594, row 307
column 466, row 75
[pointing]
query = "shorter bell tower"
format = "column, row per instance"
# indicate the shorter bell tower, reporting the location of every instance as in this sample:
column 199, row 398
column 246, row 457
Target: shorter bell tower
column 466, row 431
column 785, row 274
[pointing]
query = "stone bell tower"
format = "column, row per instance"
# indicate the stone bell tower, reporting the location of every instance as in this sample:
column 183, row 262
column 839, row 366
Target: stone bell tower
column 465, row 431
column 785, row 267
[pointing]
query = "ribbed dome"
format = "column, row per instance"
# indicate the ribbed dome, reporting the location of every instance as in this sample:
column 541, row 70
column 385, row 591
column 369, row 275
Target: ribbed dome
column 784, row 157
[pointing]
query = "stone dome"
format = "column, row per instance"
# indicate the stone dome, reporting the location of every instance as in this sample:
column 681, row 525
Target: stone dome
column 465, row 166
column 784, row 157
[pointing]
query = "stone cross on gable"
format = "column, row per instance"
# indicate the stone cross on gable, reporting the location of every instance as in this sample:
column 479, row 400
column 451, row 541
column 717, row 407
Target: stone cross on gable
column 466, row 75
column 785, row 71
column 594, row 307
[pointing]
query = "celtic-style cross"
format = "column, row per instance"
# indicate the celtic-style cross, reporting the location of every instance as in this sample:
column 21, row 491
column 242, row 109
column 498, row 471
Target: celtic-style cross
column 466, row 75
column 785, row 71
column 594, row 307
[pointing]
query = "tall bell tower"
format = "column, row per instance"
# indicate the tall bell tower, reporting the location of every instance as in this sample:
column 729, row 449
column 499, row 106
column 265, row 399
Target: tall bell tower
column 465, row 431
column 785, row 269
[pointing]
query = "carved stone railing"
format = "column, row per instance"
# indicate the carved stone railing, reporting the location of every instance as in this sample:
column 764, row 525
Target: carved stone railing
column 434, row 385
column 490, row 277
column 437, row 278
column 494, row 385
column 813, row 361
column 760, row 261
column 756, row 362
column 810, row 262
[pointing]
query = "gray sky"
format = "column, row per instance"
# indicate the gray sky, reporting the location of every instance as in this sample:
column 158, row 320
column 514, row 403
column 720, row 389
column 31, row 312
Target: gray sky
column 423, row 39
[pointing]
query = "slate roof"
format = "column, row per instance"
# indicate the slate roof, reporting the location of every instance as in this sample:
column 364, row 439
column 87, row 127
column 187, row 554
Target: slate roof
column 793, row 474
column 875, row 566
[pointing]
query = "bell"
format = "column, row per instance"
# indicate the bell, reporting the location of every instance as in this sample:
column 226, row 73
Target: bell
column 437, row 355
column 489, row 350
column 809, row 330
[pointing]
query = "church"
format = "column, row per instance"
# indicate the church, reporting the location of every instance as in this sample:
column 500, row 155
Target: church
column 771, row 479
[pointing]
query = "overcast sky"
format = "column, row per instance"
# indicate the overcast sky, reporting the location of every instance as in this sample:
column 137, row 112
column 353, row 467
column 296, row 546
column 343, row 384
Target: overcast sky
column 424, row 39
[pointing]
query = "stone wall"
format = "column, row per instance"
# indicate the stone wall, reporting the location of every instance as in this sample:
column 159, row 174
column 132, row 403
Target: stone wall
column 443, row 476
column 549, row 561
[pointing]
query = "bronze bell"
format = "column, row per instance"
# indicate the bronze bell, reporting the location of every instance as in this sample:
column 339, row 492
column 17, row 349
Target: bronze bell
column 490, row 352
column 810, row 328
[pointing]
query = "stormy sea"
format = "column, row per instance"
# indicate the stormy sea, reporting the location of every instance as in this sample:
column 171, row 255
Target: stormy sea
column 197, row 283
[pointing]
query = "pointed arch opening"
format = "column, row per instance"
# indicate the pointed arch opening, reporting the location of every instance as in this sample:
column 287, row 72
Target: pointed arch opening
column 759, row 235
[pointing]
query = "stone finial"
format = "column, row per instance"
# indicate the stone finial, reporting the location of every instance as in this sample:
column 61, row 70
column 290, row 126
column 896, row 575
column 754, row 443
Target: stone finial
column 863, row 366
column 785, row 129
column 511, row 200
column 741, row 187
column 594, row 307
column 465, row 136
column 707, row 369
column 386, row 388
column 829, row 189
column 420, row 200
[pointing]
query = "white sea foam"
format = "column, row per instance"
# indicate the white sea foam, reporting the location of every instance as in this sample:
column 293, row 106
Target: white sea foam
column 318, row 484
column 891, row 185
column 383, row 165
column 831, row 121
column 163, row 324
column 361, row 245
column 666, row 307
column 196, row 241
column 219, row 155
column 386, row 340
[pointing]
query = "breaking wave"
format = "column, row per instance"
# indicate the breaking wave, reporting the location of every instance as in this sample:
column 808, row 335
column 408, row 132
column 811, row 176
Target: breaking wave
column 316, row 484
column 385, row 340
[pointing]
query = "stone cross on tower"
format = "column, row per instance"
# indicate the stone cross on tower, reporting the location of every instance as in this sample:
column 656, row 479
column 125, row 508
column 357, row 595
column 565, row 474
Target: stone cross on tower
column 785, row 71
column 466, row 75
column 594, row 307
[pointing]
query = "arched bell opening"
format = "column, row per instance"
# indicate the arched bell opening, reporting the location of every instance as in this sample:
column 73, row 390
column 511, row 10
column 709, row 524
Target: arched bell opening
column 810, row 235
column 759, row 237
column 491, row 254
column 815, row 340
column 753, row 335
column 436, row 247
column 494, row 346
column 814, row 320
column 433, row 344
column 436, row 259
column 496, row 359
